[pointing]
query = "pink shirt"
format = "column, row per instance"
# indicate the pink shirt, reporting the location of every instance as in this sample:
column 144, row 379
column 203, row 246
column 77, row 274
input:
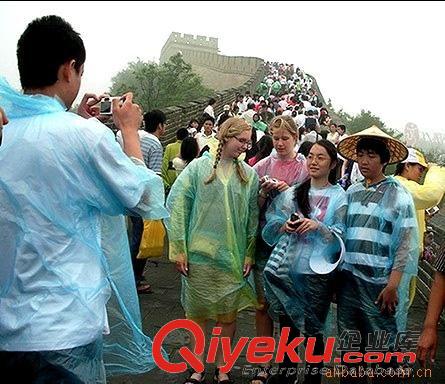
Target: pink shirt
column 291, row 171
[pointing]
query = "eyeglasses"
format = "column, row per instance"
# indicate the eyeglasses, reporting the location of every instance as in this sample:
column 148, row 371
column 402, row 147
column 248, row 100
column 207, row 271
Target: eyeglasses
column 247, row 143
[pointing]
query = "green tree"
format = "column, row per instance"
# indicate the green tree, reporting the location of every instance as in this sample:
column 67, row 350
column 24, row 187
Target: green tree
column 363, row 120
column 159, row 86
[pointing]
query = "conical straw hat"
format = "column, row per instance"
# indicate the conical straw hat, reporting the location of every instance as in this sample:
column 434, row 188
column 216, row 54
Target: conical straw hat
column 347, row 146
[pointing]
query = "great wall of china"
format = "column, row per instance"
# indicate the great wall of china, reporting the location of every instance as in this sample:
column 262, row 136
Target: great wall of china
column 229, row 75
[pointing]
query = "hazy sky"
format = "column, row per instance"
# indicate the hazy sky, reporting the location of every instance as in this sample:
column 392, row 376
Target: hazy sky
column 385, row 57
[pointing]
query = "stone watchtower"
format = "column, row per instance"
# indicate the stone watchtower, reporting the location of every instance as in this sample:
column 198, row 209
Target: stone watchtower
column 187, row 45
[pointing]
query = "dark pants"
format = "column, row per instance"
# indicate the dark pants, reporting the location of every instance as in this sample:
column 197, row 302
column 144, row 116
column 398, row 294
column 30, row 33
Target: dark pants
column 312, row 370
column 137, row 229
column 357, row 311
column 78, row 365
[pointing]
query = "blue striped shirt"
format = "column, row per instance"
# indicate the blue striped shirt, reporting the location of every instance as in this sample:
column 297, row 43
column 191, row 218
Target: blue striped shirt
column 152, row 152
column 381, row 231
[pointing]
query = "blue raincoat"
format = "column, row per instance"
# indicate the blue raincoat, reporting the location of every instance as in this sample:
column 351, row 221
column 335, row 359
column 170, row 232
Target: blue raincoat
column 66, row 275
column 292, row 287
column 382, row 236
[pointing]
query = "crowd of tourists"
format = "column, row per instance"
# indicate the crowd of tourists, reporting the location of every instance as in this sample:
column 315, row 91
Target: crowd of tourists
column 270, row 205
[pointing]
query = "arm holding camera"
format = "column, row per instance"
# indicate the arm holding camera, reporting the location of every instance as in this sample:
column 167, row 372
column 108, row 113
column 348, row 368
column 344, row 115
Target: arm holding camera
column 86, row 107
column 128, row 118
column 267, row 185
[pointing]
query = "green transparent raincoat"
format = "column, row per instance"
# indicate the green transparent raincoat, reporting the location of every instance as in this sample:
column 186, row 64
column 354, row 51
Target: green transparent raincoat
column 213, row 227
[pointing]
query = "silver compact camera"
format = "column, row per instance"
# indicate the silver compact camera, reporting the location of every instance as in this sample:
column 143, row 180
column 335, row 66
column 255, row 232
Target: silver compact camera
column 106, row 104
column 266, row 178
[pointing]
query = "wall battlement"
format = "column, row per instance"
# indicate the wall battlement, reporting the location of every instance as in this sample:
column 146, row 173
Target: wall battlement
column 178, row 42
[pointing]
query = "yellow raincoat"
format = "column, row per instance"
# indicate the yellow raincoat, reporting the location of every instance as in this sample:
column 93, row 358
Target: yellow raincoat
column 425, row 196
column 214, row 227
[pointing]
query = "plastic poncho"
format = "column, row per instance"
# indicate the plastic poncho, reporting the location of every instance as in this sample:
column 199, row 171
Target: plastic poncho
column 293, row 171
column 425, row 196
column 262, row 89
column 259, row 125
column 382, row 236
column 214, row 226
column 291, row 286
column 63, row 257
column 276, row 87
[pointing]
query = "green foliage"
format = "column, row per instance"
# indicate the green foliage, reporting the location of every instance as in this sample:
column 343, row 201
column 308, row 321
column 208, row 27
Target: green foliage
column 364, row 120
column 159, row 86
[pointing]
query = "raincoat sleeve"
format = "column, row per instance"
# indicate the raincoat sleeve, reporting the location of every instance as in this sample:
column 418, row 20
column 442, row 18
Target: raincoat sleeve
column 429, row 193
column 180, row 205
column 252, row 224
column 276, row 215
column 338, row 225
column 123, row 185
column 404, row 242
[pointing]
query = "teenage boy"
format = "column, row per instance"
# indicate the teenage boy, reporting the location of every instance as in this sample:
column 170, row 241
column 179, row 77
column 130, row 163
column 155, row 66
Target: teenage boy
column 63, row 259
column 381, row 243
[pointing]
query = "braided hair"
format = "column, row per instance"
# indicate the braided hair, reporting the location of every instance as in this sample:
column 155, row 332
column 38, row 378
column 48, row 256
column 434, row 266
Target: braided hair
column 230, row 128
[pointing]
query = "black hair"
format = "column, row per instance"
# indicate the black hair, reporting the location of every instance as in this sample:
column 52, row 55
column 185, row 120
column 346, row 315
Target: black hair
column 223, row 118
column 305, row 147
column 182, row 133
column 189, row 149
column 342, row 126
column 211, row 101
column 377, row 145
column 265, row 146
column 152, row 120
column 301, row 193
column 301, row 132
column 193, row 121
column 323, row 119
column 46, row 44
column 399, row 169
column 205, row 118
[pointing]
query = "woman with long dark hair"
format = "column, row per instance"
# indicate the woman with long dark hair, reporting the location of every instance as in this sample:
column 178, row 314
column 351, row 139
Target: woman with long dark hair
column 306, row 223
column 189, row 151
column 264, row 149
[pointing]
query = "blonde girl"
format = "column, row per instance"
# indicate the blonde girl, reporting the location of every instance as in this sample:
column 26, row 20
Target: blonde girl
column 277, row 172
column 212, row 232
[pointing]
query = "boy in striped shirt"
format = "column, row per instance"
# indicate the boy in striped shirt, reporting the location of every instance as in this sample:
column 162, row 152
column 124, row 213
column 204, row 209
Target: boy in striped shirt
column 381, row 243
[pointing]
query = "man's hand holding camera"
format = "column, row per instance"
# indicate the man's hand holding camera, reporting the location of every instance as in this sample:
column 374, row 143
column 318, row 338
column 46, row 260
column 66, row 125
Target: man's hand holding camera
column 128, row 118
column 89, row 107
column 126, row 115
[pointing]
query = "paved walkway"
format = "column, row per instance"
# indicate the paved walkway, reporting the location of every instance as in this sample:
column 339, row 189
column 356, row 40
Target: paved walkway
column 163, row 306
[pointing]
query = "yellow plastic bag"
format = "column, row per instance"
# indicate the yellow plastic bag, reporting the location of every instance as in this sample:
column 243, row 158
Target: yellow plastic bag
column 152, row 243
